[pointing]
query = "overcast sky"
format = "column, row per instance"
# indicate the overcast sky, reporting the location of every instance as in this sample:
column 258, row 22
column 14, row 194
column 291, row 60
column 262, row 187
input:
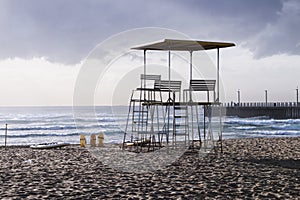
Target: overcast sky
column 43, row 43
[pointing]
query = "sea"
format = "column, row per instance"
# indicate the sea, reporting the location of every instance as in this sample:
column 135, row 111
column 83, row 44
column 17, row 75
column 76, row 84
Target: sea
column 33, row 125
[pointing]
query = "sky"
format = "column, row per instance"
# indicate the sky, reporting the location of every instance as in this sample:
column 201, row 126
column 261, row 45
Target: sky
column 44, row 44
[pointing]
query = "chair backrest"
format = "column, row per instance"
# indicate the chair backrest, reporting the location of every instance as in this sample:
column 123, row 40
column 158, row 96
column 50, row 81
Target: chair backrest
column 150, row 77
column 202, row 85
column 165, row 85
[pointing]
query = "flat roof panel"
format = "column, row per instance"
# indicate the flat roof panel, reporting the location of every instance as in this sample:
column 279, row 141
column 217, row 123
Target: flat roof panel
column 183, row 45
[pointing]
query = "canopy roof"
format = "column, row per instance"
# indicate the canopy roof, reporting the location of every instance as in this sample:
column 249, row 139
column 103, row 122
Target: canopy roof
column 183, row 45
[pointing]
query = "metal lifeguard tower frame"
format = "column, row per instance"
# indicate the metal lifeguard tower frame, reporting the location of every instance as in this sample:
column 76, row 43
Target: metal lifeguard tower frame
column 154, row 121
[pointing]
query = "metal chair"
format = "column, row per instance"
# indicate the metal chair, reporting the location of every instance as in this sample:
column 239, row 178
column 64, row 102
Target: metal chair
column 168, row 86
column 200, row 86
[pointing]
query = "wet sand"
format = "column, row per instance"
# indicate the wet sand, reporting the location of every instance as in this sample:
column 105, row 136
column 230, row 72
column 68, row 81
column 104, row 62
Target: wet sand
column 247, row 168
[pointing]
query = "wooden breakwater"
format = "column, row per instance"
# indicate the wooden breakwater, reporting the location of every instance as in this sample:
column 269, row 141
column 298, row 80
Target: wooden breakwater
column 276, row 110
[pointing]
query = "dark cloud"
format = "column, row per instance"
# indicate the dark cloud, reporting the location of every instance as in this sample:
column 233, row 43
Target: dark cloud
column 280, row 36
column 63, row 31
column 66, row 30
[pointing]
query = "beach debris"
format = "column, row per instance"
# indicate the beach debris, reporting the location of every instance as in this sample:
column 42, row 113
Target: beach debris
column 5, row 138
column 29, row 161
column 49, row 145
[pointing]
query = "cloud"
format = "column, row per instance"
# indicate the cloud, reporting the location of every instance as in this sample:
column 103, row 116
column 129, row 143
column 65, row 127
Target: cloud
column 280, row 36
column 62, row 31
column 36, row 82
column 279, row 74
column 65, row 31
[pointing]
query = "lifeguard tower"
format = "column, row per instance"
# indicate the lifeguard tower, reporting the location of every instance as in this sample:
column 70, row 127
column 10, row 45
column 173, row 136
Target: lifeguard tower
column 164, row 113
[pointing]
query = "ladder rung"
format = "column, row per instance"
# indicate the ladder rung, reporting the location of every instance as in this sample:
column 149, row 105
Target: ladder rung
column 141, row 111
column 144, row 132
column 180, row 133
column 177, row 125
column 180, row 108
column 163, row 132
column 140, row 117
column 180, row 116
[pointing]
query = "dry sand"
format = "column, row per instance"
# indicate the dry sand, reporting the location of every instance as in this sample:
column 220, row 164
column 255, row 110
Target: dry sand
column 248, row 168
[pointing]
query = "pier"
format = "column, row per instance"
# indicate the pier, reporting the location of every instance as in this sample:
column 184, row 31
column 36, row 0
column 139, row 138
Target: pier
column 276, row 110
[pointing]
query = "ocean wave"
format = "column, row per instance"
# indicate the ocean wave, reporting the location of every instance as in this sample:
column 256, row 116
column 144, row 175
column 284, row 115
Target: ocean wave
column 255, row 122
column 35, row 128
column 245, row 127
column 60, row 122
column 282, row 126
column 26, row 135
column 59, row 127
column 276, row 132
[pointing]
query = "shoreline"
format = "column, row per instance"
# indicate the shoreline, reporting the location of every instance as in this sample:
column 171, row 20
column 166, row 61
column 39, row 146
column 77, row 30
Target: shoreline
column 115, row 144
column 247, row 168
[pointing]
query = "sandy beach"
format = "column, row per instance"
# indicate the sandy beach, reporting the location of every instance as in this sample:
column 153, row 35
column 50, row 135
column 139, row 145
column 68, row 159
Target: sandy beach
column 248, row 168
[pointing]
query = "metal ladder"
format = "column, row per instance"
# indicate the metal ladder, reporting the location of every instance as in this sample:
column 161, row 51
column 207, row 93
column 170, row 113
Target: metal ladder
column 141, row 119
column 180, row 122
